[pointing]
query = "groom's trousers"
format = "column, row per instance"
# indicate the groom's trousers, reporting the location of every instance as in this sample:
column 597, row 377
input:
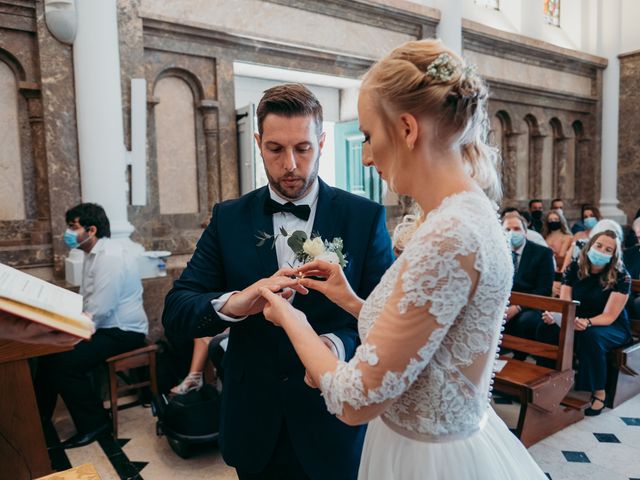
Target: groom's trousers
column 283, row 464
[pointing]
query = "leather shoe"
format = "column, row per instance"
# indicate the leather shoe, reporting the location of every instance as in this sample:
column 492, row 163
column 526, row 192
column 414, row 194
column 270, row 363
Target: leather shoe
column 82, row 439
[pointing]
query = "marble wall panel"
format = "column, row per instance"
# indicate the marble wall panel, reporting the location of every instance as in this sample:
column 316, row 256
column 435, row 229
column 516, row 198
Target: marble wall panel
column 176, row 140
column 11, row 180
column 60, row 131
column 261, row 19
column 509, row 70
column 628, row 144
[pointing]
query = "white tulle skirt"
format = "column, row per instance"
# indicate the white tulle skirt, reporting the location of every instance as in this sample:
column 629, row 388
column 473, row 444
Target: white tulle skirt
column 491, row 453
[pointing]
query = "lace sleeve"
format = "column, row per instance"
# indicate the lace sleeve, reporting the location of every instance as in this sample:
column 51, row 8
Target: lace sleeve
column 436, row 276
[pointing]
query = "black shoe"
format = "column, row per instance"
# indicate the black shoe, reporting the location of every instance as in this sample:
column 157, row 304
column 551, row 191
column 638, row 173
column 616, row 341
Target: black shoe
column 592, row 412
column 82, row 439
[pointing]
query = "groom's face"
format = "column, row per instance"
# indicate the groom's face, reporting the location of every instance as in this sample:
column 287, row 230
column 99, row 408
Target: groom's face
column 290, row 148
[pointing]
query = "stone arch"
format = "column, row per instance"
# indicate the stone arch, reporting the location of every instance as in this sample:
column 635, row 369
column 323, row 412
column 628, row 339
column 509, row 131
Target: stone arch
column 535, row 147
column 508, row 150
column 559, row 159
column 175, row 118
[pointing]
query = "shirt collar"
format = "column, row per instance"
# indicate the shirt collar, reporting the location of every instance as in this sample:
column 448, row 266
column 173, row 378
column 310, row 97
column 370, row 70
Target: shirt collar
column 99, row 246
column 309, row 199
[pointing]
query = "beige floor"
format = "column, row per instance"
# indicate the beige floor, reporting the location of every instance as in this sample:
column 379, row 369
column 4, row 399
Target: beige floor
column 607, row 461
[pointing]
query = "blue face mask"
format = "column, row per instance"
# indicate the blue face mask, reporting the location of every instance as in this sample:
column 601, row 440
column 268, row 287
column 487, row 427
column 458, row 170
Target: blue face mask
column 590, row 222
column 516, row 239
column 71, row 238
column 598, row 259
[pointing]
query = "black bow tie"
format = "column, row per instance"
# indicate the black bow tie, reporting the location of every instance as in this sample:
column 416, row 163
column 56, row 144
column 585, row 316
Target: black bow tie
column 300, row 211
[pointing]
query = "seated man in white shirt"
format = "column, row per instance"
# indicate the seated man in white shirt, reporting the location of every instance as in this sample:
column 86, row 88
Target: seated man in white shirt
column 112, row 296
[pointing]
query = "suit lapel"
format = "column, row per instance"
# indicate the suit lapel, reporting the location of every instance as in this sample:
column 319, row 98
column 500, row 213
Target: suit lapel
column 325, row 222
column 264, row 223
column 524, row 260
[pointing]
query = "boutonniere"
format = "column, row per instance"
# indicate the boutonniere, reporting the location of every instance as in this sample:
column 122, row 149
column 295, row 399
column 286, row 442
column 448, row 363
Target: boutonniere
column 309, row 249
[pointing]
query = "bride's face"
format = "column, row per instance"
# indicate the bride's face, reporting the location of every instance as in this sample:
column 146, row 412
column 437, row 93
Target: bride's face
column 379, row 148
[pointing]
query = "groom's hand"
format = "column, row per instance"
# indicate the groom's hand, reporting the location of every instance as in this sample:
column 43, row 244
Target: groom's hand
column 249, row 302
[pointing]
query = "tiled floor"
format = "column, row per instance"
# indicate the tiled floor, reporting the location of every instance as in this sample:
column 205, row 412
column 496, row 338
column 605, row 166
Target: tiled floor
column 606, row 447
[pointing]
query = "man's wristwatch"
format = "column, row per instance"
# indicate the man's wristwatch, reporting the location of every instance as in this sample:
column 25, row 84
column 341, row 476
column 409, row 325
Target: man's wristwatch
column 588, row 322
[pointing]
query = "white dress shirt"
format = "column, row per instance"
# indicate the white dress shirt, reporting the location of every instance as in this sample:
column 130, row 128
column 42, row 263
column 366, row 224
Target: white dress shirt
column 111, row 288
column 284, row 254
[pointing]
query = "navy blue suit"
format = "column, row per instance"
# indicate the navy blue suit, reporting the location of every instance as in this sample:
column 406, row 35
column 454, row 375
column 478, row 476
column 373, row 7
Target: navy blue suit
column 534, row 275
column 264, row 385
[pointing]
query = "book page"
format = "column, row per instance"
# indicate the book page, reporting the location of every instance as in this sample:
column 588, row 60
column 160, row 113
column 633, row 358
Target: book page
column 30, row 290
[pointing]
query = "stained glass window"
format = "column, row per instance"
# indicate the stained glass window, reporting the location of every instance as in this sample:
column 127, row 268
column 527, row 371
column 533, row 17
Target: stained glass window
column 552, row 12
column 489, row 4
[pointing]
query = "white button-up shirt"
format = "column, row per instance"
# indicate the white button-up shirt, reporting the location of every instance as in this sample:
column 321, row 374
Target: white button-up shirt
column 111, row 288
column 284, row 254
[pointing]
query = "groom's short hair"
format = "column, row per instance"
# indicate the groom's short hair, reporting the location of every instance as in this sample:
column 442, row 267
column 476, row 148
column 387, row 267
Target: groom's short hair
column 289, row 100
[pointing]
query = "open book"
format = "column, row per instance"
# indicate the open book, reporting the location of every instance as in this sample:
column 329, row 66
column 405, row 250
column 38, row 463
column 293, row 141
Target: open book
column 29, row 297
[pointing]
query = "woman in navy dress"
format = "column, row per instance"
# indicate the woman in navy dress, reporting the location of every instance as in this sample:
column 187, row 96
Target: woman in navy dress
column 600, row 282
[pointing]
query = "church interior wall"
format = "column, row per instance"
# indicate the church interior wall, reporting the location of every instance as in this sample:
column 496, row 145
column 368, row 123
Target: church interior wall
column 628, row 146
column 549, row 117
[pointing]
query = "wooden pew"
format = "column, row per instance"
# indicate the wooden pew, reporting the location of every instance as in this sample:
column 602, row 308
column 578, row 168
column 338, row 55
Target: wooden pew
column 546, row 406
column 623, row 372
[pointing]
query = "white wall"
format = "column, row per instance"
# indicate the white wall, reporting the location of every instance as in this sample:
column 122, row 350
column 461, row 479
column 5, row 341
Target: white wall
column 630, row 30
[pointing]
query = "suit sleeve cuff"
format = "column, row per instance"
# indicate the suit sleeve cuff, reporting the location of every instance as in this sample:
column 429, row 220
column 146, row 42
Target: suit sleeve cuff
column 218, row 303
column 337, row 345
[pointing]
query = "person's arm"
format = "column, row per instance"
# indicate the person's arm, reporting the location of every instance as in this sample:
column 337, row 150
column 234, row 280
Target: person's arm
column 612, row 310
column 413, row 322
column 188, row 310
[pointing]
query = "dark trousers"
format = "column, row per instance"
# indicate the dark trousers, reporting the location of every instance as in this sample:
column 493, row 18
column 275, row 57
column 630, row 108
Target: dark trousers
column 67, row 374
column 283, row 465
column 591, row 347
column 524, row 325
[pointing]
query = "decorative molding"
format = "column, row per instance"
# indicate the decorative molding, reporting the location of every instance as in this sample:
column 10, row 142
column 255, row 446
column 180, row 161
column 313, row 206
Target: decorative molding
column 490, row 41
column 161, row 27
column 381, row 15
column 18, row 15
column 538, row 97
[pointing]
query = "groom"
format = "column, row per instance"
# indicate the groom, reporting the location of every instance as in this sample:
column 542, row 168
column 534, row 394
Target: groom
column 273, row 425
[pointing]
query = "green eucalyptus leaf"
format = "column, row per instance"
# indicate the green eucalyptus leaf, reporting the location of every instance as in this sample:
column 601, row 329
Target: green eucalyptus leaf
column 296, row 241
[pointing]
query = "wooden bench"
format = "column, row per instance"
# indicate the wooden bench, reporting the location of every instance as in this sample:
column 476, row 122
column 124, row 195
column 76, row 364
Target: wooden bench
column 623, row 372
column 546, row 406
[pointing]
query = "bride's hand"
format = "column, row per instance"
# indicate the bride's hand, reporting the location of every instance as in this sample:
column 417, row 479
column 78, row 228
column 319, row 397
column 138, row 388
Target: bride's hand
column 335, row 285
column 277, row 309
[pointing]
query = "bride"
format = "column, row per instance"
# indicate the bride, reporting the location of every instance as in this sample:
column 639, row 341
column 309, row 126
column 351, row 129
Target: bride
column 430, row 330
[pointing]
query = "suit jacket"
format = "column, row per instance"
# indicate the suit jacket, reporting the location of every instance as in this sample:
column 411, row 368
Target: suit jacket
column 536, row 271
column 631, row 257
column 264, row 378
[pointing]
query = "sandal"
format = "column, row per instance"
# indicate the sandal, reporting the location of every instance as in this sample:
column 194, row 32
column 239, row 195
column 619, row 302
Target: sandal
column 193, row 381
column 592, row 412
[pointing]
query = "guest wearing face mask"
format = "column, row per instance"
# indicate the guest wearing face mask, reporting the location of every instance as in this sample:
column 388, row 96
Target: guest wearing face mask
column 533, row 273
column 536, row 210
column 112, row 297
column 555, row 232
column 558, row 205
column 600, row 282
column 590, row 216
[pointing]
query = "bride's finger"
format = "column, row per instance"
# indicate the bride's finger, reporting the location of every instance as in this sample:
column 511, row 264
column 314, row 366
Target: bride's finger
column 318, row 285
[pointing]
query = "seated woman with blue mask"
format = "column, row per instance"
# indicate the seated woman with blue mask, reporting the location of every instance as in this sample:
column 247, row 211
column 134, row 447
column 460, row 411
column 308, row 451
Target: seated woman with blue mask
column 599, row 281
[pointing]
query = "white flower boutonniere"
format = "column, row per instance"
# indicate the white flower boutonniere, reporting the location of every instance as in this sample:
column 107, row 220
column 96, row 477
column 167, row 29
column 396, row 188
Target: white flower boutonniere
column 309, row 249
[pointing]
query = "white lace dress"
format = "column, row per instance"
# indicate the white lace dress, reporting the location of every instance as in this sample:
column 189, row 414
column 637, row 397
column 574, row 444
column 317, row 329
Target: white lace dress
column 428, row 350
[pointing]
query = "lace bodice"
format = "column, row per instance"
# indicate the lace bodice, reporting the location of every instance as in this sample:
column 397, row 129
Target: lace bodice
column 430, row 329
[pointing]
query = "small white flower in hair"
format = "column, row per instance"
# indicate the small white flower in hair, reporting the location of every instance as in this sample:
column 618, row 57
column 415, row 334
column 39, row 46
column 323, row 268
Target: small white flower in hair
column 442, row 68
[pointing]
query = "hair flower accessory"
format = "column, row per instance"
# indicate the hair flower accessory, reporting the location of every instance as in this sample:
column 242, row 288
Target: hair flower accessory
column 442, row 68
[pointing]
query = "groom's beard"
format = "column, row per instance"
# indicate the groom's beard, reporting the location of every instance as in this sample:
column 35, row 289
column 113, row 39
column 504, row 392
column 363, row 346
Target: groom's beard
column 297, row 191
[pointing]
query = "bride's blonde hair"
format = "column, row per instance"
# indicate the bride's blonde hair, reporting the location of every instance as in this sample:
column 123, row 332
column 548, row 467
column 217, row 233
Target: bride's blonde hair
column 425, row 78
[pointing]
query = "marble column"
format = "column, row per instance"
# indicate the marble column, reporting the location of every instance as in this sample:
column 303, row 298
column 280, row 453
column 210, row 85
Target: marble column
column 450, row 27
column 96, row 60
column 209, row 109
column 610, row 19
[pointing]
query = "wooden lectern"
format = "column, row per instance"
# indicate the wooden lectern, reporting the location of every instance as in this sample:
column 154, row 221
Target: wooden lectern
column 23, row 452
